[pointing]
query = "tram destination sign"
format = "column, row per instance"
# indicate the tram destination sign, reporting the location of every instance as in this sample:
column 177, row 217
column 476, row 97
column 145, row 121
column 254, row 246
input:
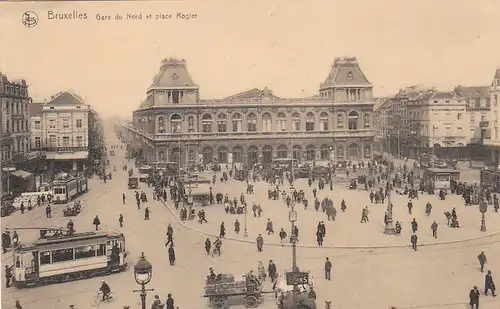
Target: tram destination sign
column 297, row 278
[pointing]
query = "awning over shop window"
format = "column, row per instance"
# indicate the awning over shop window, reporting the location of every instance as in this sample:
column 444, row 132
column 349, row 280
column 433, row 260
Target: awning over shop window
column 21, row 174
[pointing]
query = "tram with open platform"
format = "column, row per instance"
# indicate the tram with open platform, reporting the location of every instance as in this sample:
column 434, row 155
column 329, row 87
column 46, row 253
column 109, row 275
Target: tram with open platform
column 56, row 258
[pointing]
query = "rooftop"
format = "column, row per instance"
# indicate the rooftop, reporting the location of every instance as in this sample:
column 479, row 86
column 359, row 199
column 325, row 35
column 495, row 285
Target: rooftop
column 35, row 109
column 472, row 92
column 173, row 73
column 65, row 98
column 344, row 72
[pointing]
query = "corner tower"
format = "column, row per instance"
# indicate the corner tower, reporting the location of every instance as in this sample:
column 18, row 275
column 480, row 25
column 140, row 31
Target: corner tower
column 346, row 82
column 172, row 85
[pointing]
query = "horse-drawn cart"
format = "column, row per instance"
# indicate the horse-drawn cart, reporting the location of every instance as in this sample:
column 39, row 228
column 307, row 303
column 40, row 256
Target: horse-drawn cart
column 224, row 286
column 72, row 209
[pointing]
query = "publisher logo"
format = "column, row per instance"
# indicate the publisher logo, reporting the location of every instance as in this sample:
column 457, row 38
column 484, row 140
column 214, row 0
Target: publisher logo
column 30, row 19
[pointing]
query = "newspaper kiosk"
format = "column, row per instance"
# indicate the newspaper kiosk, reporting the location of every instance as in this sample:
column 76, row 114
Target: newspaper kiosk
column 440, row 178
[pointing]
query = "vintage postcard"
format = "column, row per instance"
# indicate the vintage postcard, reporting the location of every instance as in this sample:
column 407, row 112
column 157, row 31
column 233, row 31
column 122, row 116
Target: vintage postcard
column 250, row 154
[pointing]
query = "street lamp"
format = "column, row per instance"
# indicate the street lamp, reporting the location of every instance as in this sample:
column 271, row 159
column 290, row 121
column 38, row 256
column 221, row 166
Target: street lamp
column 245, row 233
column 433, row 144
column 389, row 227
column 483, row 207
column 143, row 272
column 292, row 216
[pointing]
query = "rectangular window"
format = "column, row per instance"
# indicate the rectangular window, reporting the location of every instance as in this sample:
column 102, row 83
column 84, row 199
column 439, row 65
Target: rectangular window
column 459, row 116
column 296, row 124
column 323, row 124
column 281, row 125
column 62, row 255
column 207, row 126
column 252, row 125
column 37, row 124
column 237, row 125
column 85, row 252
column 65, row 123
column 65, row 141
column 52, row 141
column 52, row 124
column 78, row 123
column 44, row 257
column 79, row 141
column 101, row 250
column 222, row 126
column 38, row 142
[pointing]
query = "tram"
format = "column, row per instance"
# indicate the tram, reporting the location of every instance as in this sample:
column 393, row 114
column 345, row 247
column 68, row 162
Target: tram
column 58, row 258
column 67, row 189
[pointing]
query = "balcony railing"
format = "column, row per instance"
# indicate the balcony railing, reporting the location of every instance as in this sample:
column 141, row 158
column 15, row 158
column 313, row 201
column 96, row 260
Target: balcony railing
column 262, row 135
column 64, row 149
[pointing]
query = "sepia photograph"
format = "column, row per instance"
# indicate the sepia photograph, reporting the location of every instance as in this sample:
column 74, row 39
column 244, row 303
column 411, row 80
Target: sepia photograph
column 232, row 154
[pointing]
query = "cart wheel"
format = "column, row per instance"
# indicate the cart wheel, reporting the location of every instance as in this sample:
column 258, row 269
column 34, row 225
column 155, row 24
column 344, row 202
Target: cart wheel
column 251, row 301
column 219, row 302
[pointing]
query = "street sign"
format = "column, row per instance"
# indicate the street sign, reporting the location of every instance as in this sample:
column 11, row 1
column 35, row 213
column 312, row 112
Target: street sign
column 8, row 169
column 297, row 277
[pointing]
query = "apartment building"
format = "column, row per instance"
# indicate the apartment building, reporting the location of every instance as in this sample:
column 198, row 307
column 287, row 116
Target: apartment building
column 478, row 110
column 64, row 124
column 493, row 142
column 17, row 160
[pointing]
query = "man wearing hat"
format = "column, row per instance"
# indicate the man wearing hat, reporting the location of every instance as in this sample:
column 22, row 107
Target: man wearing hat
column 474, row 298
column 8, row 275
column 157, row 303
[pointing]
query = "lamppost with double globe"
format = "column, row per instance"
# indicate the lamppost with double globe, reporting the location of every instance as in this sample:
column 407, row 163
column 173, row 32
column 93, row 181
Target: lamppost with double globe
column 483, row 207
column 143, row 272
column 292, row 216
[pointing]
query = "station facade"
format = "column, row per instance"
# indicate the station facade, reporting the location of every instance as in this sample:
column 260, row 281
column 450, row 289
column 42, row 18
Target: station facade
column 173, row 124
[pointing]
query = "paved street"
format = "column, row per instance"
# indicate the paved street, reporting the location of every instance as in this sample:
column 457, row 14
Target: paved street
column 437, row 276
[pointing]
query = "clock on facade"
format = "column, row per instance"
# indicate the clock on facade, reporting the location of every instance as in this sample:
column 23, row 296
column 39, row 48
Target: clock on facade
column 175, row 77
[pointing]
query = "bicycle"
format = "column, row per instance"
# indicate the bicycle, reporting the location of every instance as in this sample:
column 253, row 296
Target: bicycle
column 97, row 300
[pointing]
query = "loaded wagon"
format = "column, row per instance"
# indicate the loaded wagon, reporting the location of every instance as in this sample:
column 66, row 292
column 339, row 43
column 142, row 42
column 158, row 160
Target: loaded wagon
column 72, row 209
column 219, row 290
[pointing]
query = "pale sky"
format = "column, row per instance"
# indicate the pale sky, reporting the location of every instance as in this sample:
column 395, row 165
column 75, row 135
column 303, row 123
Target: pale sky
column 236, row 45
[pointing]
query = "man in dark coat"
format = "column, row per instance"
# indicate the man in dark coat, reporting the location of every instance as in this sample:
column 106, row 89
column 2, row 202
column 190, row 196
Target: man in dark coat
column 489, row 284
column 170, row 302
column 474, row 298
column 328, row 269
column 482, row 260
column 413, row 240
column 96, row 222
column 171, row 255
column 271, row 269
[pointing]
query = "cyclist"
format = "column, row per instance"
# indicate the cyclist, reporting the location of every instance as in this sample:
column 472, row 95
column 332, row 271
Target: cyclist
column 105, row 290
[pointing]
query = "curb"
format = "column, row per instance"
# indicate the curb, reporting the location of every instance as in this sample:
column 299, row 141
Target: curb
column 449, row 242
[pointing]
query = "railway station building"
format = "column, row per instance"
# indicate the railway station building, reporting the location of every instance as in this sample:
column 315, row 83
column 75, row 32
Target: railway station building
column 256, row 126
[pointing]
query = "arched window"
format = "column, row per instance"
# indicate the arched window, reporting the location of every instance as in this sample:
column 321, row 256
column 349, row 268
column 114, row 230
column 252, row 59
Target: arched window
column 267, row 154
column 251, row 122
column 237, row 123
column 222, row 124
column 340, row 153
column 281, row 122
column 222, row 154
column 323, row 121
column 237, row 154
column 310, row 153
column 310, row 122
column 368, row 152
column 340, row 121
column 325, row 152
column 366, row 120
column 352, row 119
column 176, row 155
column 296, row 122
column 161, row 125
column 208, row 155
column 282, row 152
column 176, row 123
column 353, row 152
column 206, row 122
column 267, row 123
column 252, row 155
column 297, row 152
